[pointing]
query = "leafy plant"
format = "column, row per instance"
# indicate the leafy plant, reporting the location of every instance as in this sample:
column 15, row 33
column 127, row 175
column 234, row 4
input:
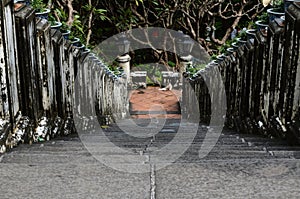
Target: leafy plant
column 192, row 70
column 38, row 5
column 125, row 19
column 251, row 25
column 51, row 19
column 199, row 66
column 222, row 49
column 63, row 17
column 264, row 18
column 101, row 13
column 77, row 28
column 171, row 64
column 72, row 36
column 278, row 5
column 242, row 35
column 213, row 57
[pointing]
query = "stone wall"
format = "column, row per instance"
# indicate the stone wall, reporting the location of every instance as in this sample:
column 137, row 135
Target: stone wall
column 46, row 81
column 262, row 82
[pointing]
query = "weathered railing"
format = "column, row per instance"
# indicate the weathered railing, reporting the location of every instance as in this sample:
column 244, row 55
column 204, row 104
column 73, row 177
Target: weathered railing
column 39, row 69
column 262, row 82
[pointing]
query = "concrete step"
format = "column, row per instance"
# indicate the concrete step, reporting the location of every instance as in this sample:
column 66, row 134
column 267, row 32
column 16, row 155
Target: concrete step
column 285, row 154
column 283, row 148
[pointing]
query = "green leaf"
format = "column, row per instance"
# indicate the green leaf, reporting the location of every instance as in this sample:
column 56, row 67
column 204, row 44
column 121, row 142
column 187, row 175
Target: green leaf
column 100, row 11
column 155, row 3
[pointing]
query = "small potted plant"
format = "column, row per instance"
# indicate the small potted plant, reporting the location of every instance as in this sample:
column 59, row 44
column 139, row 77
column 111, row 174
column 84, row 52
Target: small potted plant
column 242, row 37
column 65, row 31
column 41, row 9
column 277, row 10
column 223, row 49
column 75, row 41
column 229, row 44
column 250, row 34
column 53, row 22
column 63, row 17
column 263, row 23
column 213, row 57
column 235, row 45
column 251, row 31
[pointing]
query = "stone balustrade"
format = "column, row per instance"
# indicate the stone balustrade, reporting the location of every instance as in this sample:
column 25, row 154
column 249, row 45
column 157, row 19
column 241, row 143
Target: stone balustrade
column 262, row 82
column 46, row 81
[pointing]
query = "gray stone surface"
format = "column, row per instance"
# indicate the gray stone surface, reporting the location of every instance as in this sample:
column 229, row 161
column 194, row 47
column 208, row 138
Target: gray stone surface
column 230, row 179
column 63, row 168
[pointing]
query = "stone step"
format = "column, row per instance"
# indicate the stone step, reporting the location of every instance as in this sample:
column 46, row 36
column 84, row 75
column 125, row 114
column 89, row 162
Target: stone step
column 283, row 148
column 285, row 154
column 268, row 143
column 45, row 158
column 250, row 136
column 196, row 150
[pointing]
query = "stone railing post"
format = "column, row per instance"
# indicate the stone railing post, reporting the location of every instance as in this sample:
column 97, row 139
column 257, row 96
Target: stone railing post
column 276, row 71
column 9, row 101
column 77, row 79
column 124, row 63
column 291, row 61
column 58, row 50
column 83, row 75
column 9, row 71
column 46, row 66
column 260, row 64
column 69, row 63
column 28, row 66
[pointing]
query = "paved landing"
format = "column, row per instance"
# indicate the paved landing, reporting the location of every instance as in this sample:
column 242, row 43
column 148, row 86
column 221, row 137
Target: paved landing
column 152, row 102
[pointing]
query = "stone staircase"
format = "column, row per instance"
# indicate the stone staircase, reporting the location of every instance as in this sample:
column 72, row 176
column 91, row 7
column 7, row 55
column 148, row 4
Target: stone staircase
column 228, row 146
column 66, row 162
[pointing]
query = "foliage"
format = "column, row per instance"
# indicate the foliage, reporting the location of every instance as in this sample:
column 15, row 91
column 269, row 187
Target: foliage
column 213, row 57
column 77, row 28
column 264, row 17
column 199, row 66
column 154, row 74
column 63, row 17
column 251, row 25
column 191, row 70
column 38, row 5
column 95, row 20
column 51, row 19
column 278, row 5
column 242, row 35
column 105, row 18
column 171, row 64
column 222, row 49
